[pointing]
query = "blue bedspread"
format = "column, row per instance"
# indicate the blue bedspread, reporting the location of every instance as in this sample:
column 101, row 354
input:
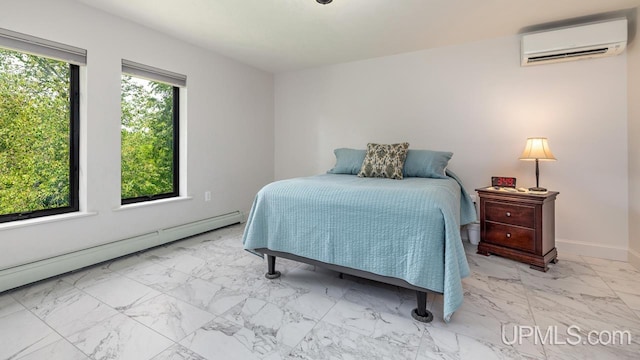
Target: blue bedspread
column 407, row 229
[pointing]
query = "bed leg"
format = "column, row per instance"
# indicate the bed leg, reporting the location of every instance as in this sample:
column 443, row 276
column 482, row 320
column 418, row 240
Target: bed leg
column 421, row 313
column 271, row 268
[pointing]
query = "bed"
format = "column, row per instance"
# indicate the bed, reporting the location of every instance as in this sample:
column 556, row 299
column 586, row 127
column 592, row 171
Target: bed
column 406, row 233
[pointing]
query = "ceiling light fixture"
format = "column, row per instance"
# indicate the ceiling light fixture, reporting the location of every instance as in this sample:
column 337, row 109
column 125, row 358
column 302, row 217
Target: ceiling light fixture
column 324, row 2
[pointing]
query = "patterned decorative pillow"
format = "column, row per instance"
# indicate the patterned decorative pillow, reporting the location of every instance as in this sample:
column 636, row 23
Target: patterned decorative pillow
column 385, row 161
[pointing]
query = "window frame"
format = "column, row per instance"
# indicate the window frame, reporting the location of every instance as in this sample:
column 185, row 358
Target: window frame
column 74, row 155
column 176, row 152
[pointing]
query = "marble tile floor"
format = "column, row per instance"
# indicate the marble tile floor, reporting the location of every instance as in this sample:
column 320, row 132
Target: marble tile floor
column 206, row 298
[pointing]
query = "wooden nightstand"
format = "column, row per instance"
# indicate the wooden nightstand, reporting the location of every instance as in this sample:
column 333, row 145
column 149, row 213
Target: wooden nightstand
column 519, row 226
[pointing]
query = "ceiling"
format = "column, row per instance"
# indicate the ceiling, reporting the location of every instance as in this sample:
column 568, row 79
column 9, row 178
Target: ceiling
column 286, row 35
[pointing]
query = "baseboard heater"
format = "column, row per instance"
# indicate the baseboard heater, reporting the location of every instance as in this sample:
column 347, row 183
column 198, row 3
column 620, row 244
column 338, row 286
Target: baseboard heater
column 38, row 270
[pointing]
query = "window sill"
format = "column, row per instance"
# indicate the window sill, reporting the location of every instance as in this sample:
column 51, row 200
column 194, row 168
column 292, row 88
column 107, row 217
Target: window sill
column 45, row 220
column 144, row 204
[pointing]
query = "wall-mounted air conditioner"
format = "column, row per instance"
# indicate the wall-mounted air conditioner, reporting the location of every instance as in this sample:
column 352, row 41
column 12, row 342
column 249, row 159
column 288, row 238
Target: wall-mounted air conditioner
column 606, row 38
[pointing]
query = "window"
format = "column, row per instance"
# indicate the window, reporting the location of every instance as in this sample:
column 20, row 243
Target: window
column 149, row 133
column 39, row 126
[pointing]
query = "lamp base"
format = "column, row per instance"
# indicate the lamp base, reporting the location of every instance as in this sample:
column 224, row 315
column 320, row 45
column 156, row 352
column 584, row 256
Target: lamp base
column 538, row 190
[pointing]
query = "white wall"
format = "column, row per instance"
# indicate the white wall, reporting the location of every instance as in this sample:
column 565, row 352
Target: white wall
column 229, row 129
column 476, row 101
column 633, row 68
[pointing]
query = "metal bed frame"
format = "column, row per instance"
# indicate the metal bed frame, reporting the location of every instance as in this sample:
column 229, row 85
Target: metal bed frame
column 420, row 313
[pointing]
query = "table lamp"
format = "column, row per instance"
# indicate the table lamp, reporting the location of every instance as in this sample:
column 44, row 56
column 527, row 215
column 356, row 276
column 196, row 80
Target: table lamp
column 537, row 148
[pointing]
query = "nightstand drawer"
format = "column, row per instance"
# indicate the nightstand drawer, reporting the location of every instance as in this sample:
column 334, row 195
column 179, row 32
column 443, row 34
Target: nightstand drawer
column 510, row 214
column 509, row 236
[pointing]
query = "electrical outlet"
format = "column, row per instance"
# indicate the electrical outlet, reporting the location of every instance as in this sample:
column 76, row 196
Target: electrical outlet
column 207, row 195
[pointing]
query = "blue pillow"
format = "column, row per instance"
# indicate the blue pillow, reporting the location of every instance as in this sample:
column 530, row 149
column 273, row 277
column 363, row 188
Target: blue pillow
column 426, row 164
column 348, row 161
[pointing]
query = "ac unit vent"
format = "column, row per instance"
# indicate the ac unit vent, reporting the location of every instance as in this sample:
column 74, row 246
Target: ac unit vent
column 567, row 55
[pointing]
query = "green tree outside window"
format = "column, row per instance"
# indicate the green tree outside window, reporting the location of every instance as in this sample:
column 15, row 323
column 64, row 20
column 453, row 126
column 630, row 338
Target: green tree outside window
column 147, row 138
column 34, row 133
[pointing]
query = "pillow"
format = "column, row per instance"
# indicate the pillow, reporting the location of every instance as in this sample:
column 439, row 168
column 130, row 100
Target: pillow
column 384, row 161
column 426, row 163
column 348, row 161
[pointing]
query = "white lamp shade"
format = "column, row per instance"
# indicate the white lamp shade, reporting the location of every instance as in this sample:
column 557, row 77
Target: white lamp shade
column 537, row 148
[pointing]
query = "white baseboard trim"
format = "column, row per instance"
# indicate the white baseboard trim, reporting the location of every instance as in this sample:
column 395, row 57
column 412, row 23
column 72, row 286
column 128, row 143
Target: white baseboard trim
column 27, row 273
column 592, row 250
column 634, row 258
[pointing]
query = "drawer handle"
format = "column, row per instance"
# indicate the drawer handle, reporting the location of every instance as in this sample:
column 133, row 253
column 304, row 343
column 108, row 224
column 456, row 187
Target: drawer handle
column 508, row 214
column 509, row 235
